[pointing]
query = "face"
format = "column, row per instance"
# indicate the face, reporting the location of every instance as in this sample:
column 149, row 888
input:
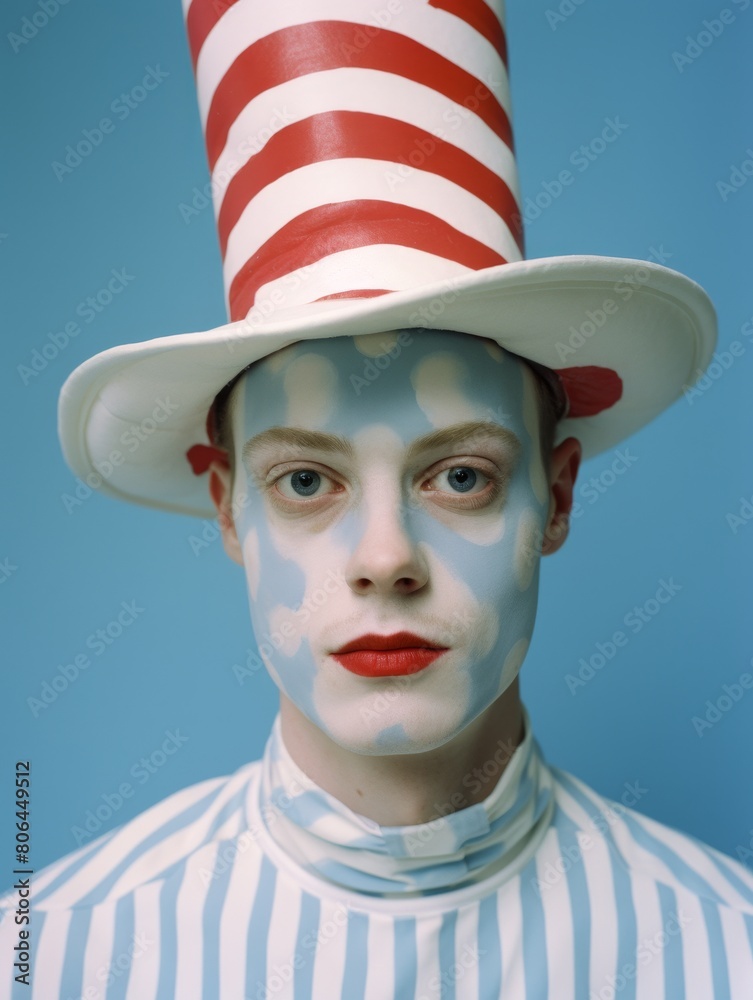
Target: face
column 416, row 502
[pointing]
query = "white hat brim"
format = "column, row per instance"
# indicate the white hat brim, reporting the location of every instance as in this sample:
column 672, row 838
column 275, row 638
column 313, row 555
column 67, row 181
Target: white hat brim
column 128, row 415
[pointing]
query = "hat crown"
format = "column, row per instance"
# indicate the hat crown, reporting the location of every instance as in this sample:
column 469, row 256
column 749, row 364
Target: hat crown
column 354, row 151
column 358, row 151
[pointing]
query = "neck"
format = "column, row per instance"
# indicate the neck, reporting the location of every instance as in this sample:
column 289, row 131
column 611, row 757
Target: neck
column 407, row 789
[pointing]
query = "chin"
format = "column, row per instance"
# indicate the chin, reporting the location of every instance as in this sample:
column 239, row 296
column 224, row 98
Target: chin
column 393, row 717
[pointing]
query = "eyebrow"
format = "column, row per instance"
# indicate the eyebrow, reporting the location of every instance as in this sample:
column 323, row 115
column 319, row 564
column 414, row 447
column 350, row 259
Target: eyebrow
column 297, row 438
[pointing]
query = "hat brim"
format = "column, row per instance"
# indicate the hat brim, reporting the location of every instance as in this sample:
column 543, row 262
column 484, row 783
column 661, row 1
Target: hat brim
column 128, row 416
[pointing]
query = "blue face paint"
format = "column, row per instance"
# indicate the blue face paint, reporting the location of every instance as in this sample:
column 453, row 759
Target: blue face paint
column 443, row 542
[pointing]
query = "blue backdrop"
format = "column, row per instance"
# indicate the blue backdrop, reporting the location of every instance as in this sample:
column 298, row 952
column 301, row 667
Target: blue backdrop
column 674, row 186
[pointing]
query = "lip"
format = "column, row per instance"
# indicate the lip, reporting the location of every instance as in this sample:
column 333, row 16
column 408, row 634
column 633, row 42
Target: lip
column 388, row 655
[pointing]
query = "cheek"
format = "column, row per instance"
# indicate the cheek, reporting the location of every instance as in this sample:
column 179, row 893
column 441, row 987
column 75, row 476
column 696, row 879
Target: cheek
column 249, row 540
column 527, row 547
column 296, row 583
column 496, row 554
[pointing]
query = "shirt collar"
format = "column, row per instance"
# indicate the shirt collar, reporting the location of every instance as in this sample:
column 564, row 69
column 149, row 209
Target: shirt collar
column 341, row 846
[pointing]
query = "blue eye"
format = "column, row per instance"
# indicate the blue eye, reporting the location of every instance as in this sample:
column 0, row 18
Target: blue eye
column 462, row 478
column 305, row 482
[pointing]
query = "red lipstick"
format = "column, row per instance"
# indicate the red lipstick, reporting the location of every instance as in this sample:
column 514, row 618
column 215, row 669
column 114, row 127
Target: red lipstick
column 388, row 655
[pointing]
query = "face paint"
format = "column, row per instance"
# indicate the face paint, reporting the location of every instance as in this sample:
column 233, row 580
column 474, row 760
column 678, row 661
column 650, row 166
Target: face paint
column 383, row 537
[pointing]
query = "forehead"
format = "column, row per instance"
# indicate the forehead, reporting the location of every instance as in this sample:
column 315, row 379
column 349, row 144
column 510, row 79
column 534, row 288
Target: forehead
column 413, row 381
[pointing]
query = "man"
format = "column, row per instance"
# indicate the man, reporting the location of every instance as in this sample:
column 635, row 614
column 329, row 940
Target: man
column 381, row 451
column 421, row 541
column 403, row 835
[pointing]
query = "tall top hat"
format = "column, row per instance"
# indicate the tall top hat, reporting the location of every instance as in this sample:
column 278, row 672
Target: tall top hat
column 364, row 180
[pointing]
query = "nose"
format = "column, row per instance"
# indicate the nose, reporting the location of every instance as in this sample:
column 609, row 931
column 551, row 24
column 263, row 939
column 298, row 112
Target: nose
column 386, row 560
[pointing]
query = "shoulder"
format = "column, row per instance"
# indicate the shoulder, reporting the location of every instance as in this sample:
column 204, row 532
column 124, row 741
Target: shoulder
column 646, row 849
column 145, row 849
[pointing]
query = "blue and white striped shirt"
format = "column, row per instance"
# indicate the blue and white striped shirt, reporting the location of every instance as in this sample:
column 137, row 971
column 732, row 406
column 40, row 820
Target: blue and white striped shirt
column 262, row 885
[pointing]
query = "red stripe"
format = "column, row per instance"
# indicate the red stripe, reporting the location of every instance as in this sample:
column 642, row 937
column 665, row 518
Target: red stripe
column 204, row 14
column 356, row 293
column 329, row 229
column 311, row 48
column 481, row 18
column 335, row 135
column 201, row 18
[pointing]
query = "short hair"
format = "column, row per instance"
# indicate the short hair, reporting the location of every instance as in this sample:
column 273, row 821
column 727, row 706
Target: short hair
column 550, row 396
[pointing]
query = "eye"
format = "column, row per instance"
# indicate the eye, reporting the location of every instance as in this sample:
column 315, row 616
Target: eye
column 463, row 478
column 301, row 484
column 465, row 481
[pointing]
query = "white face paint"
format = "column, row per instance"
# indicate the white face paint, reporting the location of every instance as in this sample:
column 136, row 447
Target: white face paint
column 444, row 542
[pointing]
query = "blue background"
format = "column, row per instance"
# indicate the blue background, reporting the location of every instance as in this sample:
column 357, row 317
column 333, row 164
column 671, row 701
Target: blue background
column 172, row 669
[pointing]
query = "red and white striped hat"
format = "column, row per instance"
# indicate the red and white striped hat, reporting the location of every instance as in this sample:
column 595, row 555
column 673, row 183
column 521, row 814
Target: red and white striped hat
column 364, row 180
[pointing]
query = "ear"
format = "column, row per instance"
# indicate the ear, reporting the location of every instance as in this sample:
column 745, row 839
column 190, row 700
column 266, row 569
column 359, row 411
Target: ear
column 565, row 461
column 221, row 490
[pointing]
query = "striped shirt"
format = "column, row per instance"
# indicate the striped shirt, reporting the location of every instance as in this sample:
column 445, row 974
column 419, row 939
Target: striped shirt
column 262, row 885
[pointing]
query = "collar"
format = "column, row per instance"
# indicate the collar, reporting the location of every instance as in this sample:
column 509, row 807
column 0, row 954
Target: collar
column 328, row 839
